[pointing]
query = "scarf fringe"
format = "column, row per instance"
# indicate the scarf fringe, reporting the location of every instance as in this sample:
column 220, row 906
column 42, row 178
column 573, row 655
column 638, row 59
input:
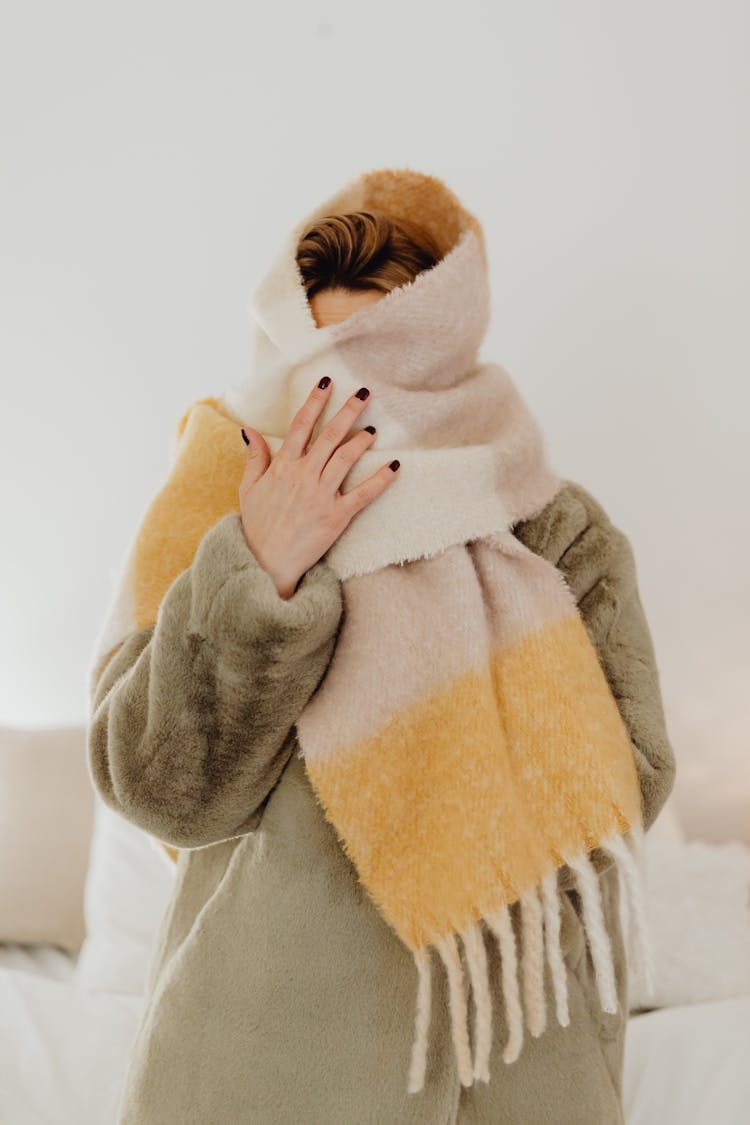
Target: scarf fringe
column 540, row 936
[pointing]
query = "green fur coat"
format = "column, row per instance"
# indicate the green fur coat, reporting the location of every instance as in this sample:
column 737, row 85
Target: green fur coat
column 277, row 993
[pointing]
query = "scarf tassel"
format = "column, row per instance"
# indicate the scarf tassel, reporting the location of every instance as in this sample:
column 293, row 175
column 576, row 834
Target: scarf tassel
column 540, row 943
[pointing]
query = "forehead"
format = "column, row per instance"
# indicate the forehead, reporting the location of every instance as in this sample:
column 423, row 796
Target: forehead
column 335, row 303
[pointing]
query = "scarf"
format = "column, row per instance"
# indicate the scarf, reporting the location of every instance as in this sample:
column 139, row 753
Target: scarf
column 464, row 742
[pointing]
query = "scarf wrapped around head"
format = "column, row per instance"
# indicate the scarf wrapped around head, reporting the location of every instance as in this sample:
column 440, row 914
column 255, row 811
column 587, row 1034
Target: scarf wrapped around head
column 464, row 742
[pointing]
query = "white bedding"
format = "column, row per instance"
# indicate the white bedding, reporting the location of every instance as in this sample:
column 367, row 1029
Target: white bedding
column 65, row 1050
column 688, row 1065
column 67, row 1023
column 41, row 960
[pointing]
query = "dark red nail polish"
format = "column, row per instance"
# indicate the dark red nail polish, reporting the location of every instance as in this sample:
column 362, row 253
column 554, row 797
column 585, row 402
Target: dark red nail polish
column 324, row 382
column 370, row 429
column 362, row 392
column 245, row 438
column 394, row 465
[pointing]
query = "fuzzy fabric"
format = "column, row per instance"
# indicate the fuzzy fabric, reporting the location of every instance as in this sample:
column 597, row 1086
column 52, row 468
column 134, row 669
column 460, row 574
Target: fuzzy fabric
column 278, row 992
column 698, row 902
column 464, row 742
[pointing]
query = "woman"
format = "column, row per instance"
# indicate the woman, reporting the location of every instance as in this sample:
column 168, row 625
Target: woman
column 278, row 992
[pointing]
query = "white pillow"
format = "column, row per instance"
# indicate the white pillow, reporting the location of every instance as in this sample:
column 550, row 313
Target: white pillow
column 128, row 888
column 46, row 816
column 709, row 730
column 698, row 909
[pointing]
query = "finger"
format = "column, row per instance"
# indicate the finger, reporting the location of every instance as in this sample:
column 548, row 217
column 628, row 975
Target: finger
column 303, row 423
column 336, row 429
column 344, row 457
column 258, row 455
column 363, row 494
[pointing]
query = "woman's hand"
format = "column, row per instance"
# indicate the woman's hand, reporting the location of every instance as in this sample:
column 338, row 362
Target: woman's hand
column 290, row 506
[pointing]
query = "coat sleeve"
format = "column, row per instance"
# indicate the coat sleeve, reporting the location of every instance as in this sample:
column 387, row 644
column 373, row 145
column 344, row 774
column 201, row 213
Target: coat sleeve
column 191, row 719
column 598, row 564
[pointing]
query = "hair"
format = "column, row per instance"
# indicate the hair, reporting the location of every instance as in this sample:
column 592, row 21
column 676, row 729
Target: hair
column 364, row 250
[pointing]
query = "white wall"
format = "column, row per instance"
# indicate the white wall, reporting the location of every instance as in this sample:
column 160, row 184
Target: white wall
column 155, row 154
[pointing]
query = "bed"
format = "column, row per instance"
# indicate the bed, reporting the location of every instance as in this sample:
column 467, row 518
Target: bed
column 68, row 1016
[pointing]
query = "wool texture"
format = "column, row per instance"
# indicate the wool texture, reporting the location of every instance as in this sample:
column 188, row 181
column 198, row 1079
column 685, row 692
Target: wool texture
column 464, row 741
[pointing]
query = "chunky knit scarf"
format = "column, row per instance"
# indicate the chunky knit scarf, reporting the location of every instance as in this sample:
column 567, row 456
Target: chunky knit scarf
column 464, row 742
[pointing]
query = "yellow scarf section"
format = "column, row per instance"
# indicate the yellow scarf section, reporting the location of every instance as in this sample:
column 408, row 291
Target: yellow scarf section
column 202, row 487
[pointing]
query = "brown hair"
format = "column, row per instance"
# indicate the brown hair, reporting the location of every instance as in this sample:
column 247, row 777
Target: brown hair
column 364, row 250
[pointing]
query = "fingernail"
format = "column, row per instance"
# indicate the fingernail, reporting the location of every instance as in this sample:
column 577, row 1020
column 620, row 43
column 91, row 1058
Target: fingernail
column 362, row 392
column 394, row 465
column 245, row 438
column 324, row 382
column 370, row 429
